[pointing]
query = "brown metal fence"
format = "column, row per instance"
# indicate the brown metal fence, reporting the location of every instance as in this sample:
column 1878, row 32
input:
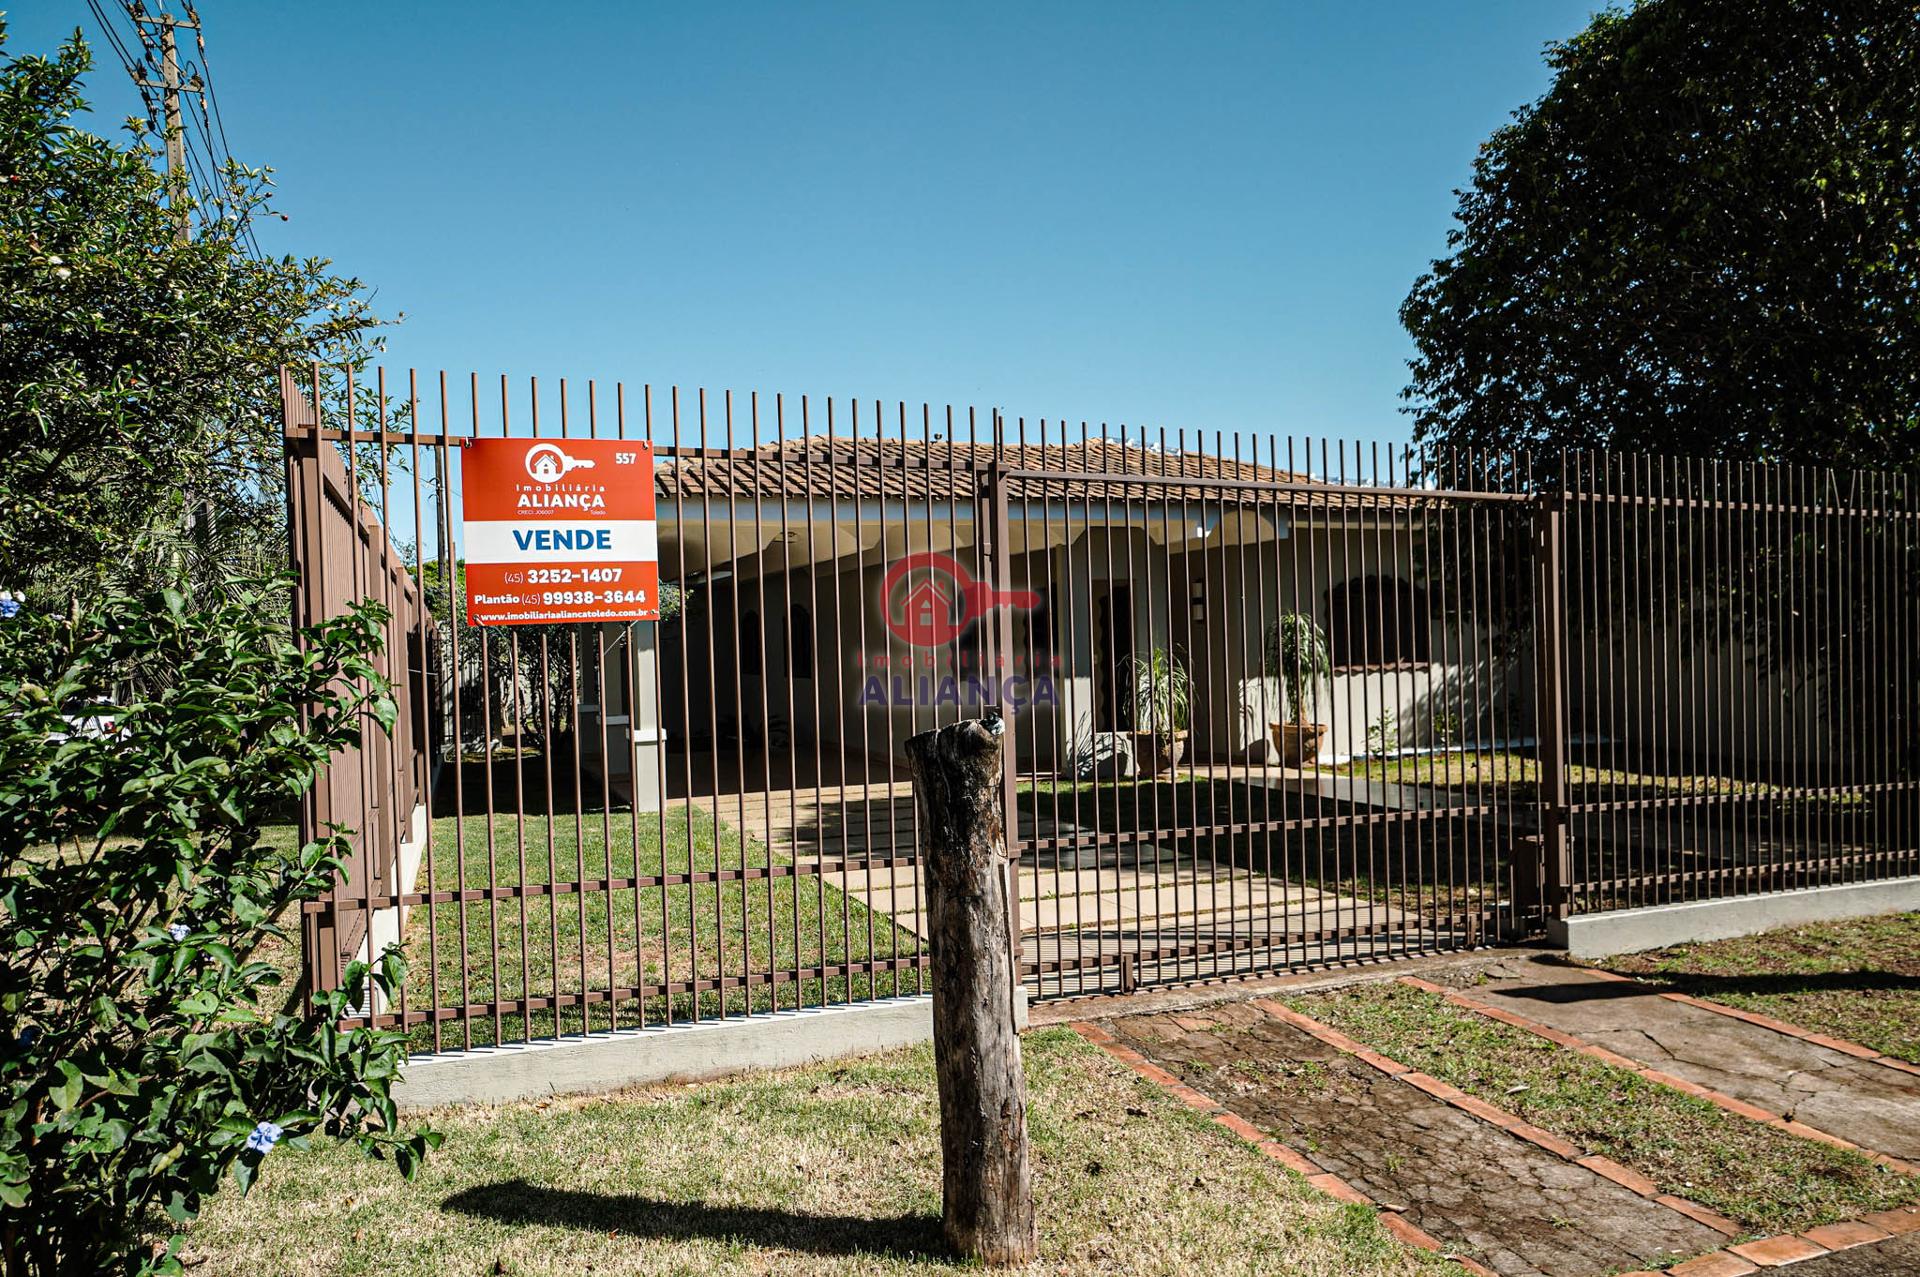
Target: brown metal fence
column 1275, row 703
column 343, row 553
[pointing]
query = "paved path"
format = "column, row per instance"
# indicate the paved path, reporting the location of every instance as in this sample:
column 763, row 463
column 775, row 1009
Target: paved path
column 1514, row 1206
column 1874, row 1106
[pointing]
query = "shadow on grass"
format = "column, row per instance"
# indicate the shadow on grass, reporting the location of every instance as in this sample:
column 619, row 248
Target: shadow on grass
column 1653, row 983
column 915, row 1237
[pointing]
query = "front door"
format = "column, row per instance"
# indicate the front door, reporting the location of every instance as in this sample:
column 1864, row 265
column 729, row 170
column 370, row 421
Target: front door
column 1112, row 655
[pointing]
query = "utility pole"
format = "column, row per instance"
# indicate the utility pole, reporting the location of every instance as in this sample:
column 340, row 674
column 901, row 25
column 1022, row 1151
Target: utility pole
column 170, row 87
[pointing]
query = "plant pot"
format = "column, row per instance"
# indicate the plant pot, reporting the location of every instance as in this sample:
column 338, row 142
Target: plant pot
column 1154, row 753
column 1298, row 743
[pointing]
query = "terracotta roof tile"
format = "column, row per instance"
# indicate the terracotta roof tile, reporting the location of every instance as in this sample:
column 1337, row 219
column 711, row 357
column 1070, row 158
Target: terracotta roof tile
column 940, row 470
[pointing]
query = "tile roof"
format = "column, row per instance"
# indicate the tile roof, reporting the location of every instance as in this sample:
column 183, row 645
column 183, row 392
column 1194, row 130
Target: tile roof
column 914, row 469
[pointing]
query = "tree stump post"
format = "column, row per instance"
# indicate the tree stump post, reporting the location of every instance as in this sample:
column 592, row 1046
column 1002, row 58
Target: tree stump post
column 986, row 1182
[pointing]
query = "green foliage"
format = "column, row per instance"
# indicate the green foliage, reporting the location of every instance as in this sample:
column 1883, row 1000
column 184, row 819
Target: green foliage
column 139, row 394
column 1295, row 652
column 1383, row 735
column 142, row 1039
column 1160, row 691
column 1703, row 240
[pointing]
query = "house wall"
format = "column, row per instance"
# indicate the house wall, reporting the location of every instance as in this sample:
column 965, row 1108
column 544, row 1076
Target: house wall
column 1658, row 698
column 1463, row 692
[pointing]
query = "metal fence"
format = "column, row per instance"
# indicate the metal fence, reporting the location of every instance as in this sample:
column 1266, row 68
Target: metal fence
column 1275, row 703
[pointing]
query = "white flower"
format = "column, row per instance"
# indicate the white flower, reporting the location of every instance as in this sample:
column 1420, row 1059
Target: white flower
column 264, row 1137
column 179, row 931
column 63, row 273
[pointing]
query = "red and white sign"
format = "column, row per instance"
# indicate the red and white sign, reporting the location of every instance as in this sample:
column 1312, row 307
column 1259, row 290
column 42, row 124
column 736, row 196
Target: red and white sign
column 560, row 530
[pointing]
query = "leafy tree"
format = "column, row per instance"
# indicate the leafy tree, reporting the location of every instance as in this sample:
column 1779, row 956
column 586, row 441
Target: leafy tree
column 1704, row 239
column 146, row 1048
column 139, row 399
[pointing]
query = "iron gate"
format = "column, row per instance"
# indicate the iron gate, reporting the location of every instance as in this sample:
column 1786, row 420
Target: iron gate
column 1276, row 703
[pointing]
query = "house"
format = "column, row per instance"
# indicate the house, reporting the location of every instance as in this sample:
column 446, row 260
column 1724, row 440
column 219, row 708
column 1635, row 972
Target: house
column 838, row 599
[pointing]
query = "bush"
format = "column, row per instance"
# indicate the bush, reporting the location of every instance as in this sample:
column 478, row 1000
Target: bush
column 144, row 1051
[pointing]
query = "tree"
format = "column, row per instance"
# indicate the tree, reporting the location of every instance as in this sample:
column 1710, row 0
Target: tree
column 139, row 408
column 1704, row 239
column 147, row 1047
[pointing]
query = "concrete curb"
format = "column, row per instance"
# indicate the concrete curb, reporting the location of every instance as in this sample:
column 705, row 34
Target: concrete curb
column 1602, row 935
column 583, row 1065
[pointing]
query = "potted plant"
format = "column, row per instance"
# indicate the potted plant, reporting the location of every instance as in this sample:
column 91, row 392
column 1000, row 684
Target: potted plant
column 1296, row 654
column 1160, row 691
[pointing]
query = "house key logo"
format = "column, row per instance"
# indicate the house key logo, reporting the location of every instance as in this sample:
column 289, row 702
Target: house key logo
column 928, row 599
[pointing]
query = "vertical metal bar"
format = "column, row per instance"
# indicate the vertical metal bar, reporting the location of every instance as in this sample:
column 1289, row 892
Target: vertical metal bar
column 520, row 711
column 788, row 604
column 486, row 713
column 758, row 639
column 425, row 611
column 689, row 801
column 1003, row 626
column 839, row 671
column 604, row 747
column 840, row 701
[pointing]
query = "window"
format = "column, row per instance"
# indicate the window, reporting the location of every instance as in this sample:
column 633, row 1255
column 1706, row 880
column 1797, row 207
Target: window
column 752, row 645
column 800, row 641
column 1376, row 621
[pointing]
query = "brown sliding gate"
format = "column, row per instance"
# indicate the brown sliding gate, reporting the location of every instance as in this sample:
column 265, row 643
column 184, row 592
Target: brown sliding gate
column 1274, row 703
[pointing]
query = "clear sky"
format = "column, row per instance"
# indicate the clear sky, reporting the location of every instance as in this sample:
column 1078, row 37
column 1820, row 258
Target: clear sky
column 1200, row 216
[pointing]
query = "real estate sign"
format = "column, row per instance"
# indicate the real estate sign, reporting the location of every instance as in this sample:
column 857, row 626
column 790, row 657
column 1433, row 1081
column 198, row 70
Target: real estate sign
column 560, row 530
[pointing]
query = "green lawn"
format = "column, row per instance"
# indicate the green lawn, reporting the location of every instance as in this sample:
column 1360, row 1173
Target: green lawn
column 1858, row 979
column 1762, row 1178
column 563, row 943
column 829, row 1169
column 1515, row 777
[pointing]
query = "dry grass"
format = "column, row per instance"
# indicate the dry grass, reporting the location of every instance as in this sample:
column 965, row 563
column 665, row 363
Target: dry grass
column 1857, row 979
column 830, row 1169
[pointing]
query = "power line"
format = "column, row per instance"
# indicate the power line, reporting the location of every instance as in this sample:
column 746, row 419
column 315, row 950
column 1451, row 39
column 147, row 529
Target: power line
column 209, row 97
column 196, row 165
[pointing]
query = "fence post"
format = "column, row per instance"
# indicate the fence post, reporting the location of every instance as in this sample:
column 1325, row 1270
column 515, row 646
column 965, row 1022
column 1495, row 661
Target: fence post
column 986, row 1179
column 1554, row 854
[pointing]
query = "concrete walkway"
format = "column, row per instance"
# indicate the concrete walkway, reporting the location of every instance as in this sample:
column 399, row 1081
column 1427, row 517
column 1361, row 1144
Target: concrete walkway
column 1452, row 1173
column 1082, row 907
column 1482, row 1191
column 1869, row 1104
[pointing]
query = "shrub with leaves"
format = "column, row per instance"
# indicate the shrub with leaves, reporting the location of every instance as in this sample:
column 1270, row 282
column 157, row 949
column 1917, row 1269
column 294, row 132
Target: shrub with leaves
column 146, row 1048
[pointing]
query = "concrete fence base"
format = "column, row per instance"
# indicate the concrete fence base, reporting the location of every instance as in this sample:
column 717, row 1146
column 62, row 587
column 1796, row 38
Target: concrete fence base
column 580, row 1065
column 1601, row 935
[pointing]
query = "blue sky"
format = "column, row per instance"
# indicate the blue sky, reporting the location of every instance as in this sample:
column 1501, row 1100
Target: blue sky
column 1183, row 215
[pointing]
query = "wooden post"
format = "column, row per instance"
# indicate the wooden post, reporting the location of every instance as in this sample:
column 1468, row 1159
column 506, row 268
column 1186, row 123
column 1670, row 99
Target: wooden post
column 986, row 1183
